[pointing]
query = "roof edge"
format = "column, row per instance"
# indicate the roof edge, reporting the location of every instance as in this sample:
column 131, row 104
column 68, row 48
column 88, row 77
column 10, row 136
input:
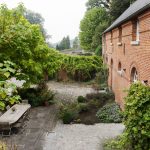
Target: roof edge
column 127, row 19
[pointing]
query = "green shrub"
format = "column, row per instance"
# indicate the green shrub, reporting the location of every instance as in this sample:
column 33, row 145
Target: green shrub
column 136, row 135
column 137, row 117
column 112, row 144
column 101, row 96
column 69, row 112
column 83, row 107
column 81, row 99
column 94, row 103
column 37, row 96
column 110, row 113
column 68, row 117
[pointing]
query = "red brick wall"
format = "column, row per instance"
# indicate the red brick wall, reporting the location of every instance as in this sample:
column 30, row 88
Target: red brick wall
column 128, row 55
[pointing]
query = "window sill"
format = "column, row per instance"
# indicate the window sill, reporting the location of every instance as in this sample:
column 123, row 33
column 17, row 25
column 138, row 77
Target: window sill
column 134, row 43
column 119, row 43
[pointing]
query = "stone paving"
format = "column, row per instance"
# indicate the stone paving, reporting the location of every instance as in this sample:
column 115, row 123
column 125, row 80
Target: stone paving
column 42, row 121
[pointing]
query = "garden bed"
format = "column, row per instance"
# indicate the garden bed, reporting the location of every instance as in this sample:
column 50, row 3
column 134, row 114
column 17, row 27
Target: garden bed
column 94, row 108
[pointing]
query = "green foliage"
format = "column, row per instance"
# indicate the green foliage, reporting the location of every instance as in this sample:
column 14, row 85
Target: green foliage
column 64, row 44
column 37, row 96
column 81, row 99
column 117, row 8
column 137, row 116
column 97, row 38
column 8, row 90
column 69, row 112
column 36, row 18
column 101, row 96
column 80, row 68
column 110, row 113
column 21, row 42
column 83, row 107
column 90, row 27
column 136, row 119
column 98, row 3
column 76, row 43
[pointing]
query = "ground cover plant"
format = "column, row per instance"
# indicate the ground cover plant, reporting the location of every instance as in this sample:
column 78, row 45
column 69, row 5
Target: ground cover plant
column 110, row 113
column 136, row 135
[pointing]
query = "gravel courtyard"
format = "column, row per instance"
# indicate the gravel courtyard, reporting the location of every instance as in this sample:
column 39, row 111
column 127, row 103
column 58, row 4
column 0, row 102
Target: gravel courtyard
column 80, row 137
column 69, row 91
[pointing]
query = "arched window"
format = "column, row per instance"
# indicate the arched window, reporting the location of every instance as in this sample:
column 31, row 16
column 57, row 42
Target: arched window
column 119, row 66
column 134, row 75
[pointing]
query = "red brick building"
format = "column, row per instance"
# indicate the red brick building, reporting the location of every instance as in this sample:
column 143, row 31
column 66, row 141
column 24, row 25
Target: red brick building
column 126, row 49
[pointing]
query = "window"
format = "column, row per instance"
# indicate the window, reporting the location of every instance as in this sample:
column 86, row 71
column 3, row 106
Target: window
column 135, row 30
column 120, row 35
column 119, row 66
column 134, row 75
column 120, row 70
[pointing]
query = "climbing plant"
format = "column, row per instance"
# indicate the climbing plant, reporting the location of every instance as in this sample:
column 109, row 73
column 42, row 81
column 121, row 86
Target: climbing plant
column 79, row 68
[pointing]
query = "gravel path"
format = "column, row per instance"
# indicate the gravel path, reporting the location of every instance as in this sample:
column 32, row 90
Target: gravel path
column 69, row 91
column 80, row 137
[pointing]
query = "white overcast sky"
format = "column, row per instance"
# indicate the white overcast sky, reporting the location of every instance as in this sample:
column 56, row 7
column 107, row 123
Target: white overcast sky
column 62, row 17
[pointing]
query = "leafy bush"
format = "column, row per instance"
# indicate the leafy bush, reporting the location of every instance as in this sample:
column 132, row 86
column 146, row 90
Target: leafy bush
column 94, row 103
column 83, row 107
column 137, row 117
column 81, row 99
column 136, row 135
column 8, row 90
column 110, row 113
column 102, row 97
column 112, row 144
column 37, row 96
column 69, row 112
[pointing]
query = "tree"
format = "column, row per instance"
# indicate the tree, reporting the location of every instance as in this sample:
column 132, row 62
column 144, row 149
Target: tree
column 64, row 44
column 114, row 7
column 57, row 47
column 117, row 8
column 68, row 43
column 36, row 18
column 98, row 3
column 21, row 42
column 88, row 26
column 97, row 38
column 76, row 43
